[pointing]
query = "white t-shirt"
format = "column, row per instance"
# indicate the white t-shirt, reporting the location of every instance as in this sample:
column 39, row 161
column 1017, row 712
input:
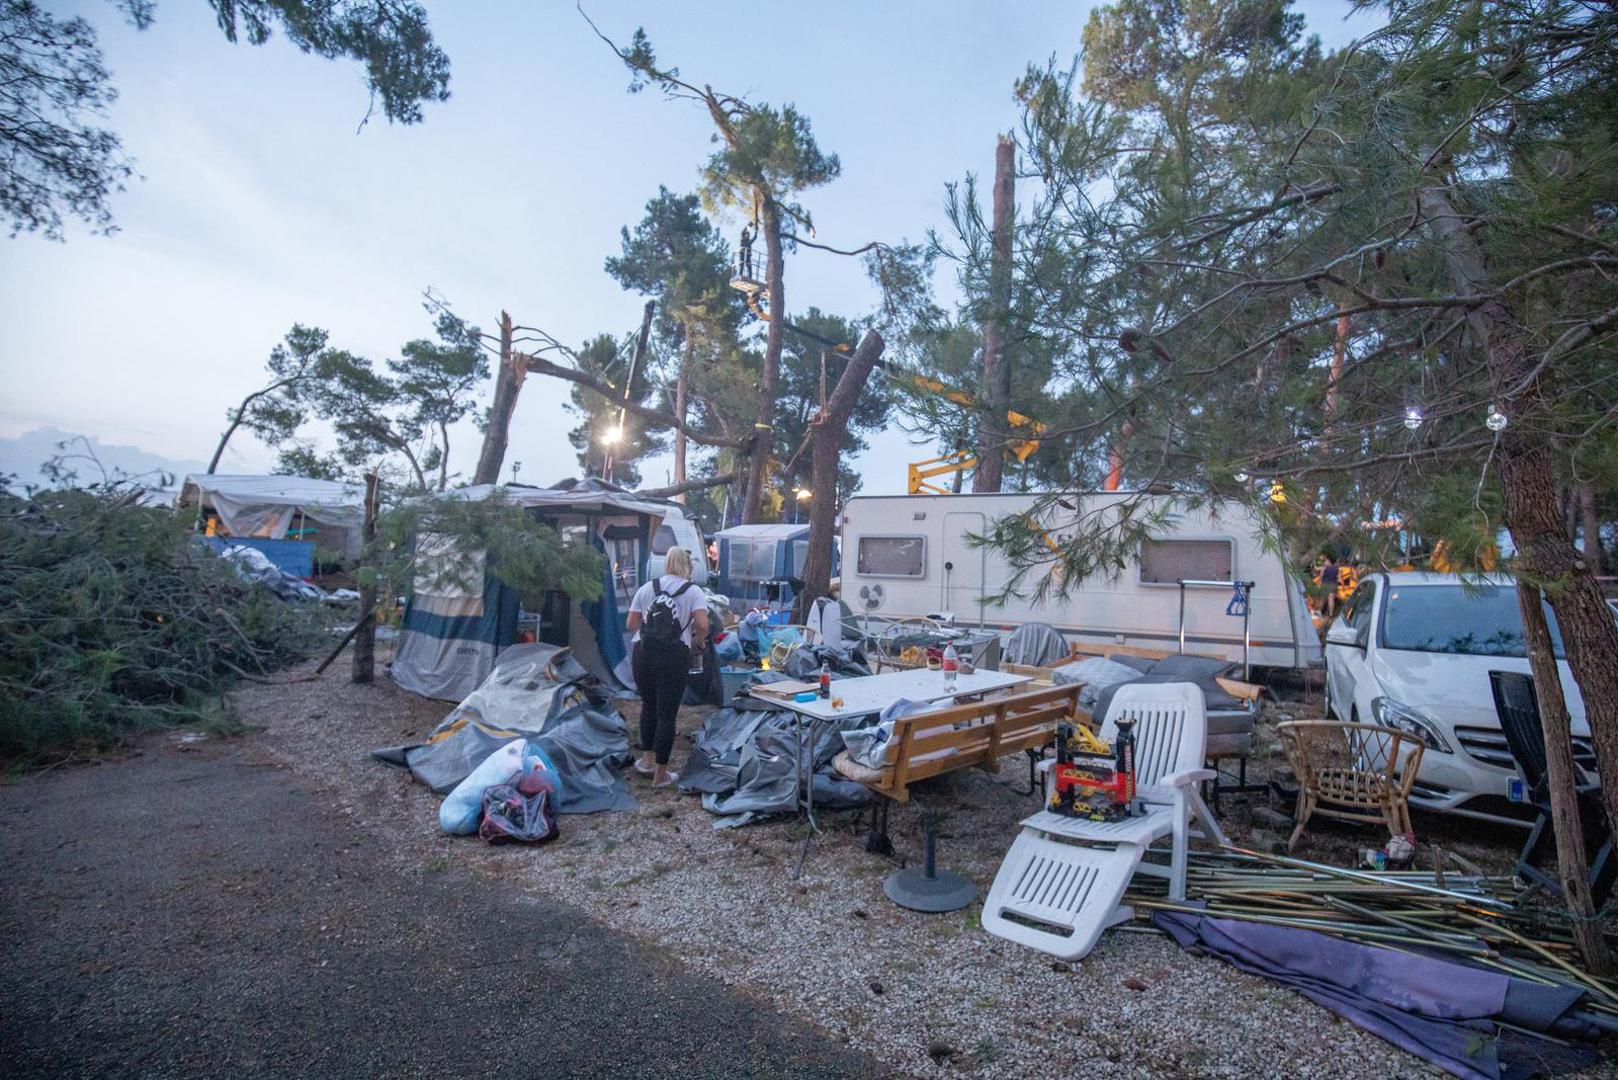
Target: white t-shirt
column 686, row 605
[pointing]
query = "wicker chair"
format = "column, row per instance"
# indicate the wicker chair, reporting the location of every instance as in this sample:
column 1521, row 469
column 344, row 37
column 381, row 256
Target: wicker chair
column 1353, row 772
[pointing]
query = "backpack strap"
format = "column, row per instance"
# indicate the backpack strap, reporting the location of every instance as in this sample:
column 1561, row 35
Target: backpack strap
column 677, row 592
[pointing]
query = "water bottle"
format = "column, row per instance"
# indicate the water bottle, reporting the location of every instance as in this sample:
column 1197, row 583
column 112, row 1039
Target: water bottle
column 951, row 667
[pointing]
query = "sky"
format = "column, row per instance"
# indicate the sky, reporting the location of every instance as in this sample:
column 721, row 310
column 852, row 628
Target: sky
column 262, row 205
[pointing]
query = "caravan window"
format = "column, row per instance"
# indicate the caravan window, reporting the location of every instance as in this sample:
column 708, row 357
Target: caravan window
column 1167, row 562
column 893, row 556
column 662, row 540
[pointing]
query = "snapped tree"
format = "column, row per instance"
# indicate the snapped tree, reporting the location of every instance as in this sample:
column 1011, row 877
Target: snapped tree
column 766, row 156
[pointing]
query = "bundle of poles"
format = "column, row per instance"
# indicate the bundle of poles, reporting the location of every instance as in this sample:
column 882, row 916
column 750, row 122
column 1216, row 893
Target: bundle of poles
column 1475, row 917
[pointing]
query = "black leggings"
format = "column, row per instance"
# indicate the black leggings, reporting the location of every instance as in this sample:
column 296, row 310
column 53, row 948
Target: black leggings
column 661, row 683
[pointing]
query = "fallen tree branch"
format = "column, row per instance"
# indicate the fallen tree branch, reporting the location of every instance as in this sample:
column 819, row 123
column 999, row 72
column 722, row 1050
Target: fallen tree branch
column 541, row 366
column 698, row 484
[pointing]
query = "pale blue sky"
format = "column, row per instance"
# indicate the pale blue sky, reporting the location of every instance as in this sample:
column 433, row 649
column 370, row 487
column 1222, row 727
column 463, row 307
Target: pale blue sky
column 261, row 206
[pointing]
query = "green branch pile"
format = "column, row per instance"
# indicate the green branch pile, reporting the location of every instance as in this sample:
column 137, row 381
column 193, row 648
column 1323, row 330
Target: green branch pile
column 115, row 621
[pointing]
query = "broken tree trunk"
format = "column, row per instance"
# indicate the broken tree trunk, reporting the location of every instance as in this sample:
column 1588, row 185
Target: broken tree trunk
column 636, row 360
column 1527, row 482
column 680, row 413
column 538, row 365
column 996, row 397
column 507, row 382
column 1572, row 869
column 365, row 635
column 825, row 443
column 758, row 468
column 674, row 491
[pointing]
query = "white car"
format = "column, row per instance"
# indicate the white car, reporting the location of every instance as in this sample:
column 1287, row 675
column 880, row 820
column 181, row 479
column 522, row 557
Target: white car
column 1413, row 651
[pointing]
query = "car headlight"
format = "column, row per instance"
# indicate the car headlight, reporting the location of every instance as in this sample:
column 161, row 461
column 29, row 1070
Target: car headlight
column 1390, row 713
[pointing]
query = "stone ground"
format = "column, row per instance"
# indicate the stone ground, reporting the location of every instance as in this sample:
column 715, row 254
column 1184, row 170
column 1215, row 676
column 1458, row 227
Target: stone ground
column 666, row 894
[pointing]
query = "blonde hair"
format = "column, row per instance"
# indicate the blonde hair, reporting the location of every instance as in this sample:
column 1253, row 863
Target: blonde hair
column 677, row 562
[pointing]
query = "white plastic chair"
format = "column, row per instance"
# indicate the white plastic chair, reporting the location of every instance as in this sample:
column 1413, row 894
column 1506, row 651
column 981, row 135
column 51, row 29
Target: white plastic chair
column 1058, row 887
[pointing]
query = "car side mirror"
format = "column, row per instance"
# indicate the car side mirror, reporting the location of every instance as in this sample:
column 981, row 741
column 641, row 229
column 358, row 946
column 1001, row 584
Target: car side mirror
column 1341, row 633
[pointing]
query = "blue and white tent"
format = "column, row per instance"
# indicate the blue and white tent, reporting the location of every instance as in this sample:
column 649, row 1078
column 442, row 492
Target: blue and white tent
column 453, row 633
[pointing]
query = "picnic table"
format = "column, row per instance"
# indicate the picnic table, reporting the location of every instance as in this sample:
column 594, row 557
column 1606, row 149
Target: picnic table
column 866, row 695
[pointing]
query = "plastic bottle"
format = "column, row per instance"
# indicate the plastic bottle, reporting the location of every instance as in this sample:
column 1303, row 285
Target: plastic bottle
column 951, row 667
column 825, row 681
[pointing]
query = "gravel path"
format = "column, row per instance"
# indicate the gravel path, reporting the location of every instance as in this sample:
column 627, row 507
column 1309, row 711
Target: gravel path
column 201, row 909
column 929, row 995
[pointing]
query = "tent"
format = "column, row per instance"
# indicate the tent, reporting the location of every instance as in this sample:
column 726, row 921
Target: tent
column 755, row 562
column 285, row 517
column 452, row 634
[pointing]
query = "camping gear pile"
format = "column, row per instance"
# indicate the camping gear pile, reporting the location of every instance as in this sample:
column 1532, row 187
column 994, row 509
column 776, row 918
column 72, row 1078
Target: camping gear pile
column 538, row 711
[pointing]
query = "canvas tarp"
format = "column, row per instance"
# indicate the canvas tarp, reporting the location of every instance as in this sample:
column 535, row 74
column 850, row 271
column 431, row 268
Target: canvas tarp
column 1448, row 1012
column 263, row 506
column 743, row 761
column 537, row 692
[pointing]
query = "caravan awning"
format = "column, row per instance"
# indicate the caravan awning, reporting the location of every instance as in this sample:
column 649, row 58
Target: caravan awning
column 263, row 506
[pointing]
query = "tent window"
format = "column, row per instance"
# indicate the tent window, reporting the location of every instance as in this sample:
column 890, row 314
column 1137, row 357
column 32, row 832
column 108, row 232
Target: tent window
column 1166, row 562
column 662, row 540
column 800, row 555
column 893, row 556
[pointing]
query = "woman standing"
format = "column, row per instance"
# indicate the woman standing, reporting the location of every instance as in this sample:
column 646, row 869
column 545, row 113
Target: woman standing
column 666, row 616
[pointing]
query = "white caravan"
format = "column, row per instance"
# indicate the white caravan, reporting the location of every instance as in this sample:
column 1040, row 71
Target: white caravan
column 908, row 555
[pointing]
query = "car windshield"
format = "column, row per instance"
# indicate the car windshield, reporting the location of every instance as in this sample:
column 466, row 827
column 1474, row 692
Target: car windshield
column 1480, row 620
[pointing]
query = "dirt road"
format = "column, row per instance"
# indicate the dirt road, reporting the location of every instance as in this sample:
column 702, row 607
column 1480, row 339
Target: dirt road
column 195, row 911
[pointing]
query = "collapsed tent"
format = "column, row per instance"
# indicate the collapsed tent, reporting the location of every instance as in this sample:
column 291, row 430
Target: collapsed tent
column 457, row 625
column 743, row 762
column 263, row 510
column 1476, row 1023
column 539, row 693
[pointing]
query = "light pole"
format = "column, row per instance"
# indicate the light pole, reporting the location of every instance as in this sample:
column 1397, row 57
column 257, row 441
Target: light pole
column 610, row 439
column 516, row 467
column 800, row 496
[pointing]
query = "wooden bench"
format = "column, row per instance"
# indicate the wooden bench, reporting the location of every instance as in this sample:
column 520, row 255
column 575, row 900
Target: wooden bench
column 975, row 735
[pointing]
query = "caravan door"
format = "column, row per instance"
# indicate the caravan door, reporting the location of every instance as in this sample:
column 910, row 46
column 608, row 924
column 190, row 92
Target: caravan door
column 962, row 579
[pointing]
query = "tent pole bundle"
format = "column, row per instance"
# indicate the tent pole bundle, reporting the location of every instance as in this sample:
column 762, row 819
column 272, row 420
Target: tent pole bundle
column 1475, row 917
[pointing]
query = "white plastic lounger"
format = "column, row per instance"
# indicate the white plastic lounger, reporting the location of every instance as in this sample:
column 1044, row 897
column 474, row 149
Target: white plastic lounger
column 1059, row 885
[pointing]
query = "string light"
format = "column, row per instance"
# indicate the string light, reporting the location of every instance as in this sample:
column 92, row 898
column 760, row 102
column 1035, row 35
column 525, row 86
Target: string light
column 1413, row 417
column 1496, row 420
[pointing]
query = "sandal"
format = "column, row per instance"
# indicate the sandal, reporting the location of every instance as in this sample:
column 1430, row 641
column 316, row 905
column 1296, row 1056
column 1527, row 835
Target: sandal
column 643, row 770
column 668, row 780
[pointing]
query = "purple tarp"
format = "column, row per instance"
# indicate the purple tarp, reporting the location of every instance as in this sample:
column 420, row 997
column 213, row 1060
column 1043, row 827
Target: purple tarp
column 1444, row 1011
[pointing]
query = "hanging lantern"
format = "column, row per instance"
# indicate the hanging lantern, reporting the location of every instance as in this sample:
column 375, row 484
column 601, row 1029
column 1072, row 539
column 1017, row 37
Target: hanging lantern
column 1496, row 420
column 1413, row 417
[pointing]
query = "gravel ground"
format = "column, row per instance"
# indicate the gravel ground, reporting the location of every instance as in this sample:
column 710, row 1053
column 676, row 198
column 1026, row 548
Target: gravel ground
column 932, row 995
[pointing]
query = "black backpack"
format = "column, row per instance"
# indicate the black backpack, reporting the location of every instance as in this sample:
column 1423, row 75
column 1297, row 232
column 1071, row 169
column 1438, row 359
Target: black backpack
column 662, row 630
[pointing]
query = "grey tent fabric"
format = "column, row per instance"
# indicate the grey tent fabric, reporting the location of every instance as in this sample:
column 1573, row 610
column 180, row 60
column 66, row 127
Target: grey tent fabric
column 1446, row 1012
column 1201, row 670
column 743, row 764
column 537, row 692
column 1035, row 644
column 591, row 751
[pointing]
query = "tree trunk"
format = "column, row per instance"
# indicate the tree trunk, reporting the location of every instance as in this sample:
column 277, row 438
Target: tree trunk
column 1339, row 363
column 826, row 439
column 507, row 382
column 996, row 397
column 415, row 466
column 636, row 359
column 1572, row 868
column 541, row 366
column 365, row 637
column 758, row 469
column 443, row 456
column 1594, row 553
column 680, row 410
column 235, row 422
column 1545, row 555
column 674, row 491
